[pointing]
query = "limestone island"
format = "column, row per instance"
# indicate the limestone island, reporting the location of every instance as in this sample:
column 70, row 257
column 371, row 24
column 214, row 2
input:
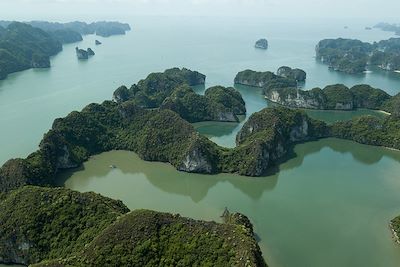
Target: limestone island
column 171, row 90
column 84, row 54
column 45, row 40
column 41, row 226
column 284, row 91
column 353, row 56
column 16, row 56
column 95, row 225
column 261, row 44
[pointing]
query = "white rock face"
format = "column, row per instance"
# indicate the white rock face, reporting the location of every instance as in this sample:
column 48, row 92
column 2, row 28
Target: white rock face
column 64, row 161
column 196, row 161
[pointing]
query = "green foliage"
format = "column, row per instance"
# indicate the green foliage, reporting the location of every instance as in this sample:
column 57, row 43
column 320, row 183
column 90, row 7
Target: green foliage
column 228, row 97
column 352, row 56
column 218, row 104
column 267, row 137
column 23, row 46
column 152, row 91
column 264, row 79
column 42, row 223
column 336, row 95
column 365, row 96
column 147, row 238
column 392, row 105
column 370, row 130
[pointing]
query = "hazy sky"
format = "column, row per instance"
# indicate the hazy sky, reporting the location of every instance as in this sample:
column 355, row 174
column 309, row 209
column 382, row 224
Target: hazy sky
column 387, row 10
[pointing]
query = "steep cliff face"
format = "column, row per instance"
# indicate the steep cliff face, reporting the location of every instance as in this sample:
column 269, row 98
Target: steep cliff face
column 296, row 98
column 267, row 137
column 201, row 156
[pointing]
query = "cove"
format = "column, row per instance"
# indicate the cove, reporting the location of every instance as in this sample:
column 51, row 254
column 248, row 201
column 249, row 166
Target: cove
column 328, row 206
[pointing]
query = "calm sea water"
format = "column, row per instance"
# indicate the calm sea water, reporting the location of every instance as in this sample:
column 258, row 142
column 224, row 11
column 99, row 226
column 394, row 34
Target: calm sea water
column 218, row 47
column 328, row 206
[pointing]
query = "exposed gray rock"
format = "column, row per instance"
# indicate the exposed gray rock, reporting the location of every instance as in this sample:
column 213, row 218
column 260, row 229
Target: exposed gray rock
column 262, row 44
column 81, row 53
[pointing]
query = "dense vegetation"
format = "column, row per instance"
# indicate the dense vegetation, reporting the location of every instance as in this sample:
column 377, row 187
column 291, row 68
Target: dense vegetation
column 152, row 91
column 267, row 137
column 147, row 238
column 102, row 28
column 46, row 225
column 353, row 56
column 370, row 130
column 336, row 96
column 23, row 46
column 170, row 90
column 156, row 135
column 39, row 223
column 218, row 104
column 264, row 79
column 294, row 74
column 392, row 105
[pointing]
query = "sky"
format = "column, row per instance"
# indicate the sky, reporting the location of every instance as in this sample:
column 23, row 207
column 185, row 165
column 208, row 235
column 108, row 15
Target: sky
column 63, row 10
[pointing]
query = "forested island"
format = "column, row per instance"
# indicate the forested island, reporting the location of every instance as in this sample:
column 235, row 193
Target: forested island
column 284, row 90
column 100, row 28
column 52, row 226
column 59, row 227
column 353, row 56
column 171, row 90
column 30, row 45
column 23, row 46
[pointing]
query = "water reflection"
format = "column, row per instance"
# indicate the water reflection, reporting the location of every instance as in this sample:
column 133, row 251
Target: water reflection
column 196, row 186
column 162, row 175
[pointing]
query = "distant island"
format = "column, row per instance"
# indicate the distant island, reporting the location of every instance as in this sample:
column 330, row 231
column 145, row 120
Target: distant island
column 261, row 44
column 100, row 28
column 30, row 45
column 84, row 54
column 353, row 56
column 395, row 28
column 286, row 91
column 23, row 46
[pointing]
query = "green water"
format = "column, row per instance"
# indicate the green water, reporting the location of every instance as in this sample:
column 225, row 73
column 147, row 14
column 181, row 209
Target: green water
column 328, row 206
